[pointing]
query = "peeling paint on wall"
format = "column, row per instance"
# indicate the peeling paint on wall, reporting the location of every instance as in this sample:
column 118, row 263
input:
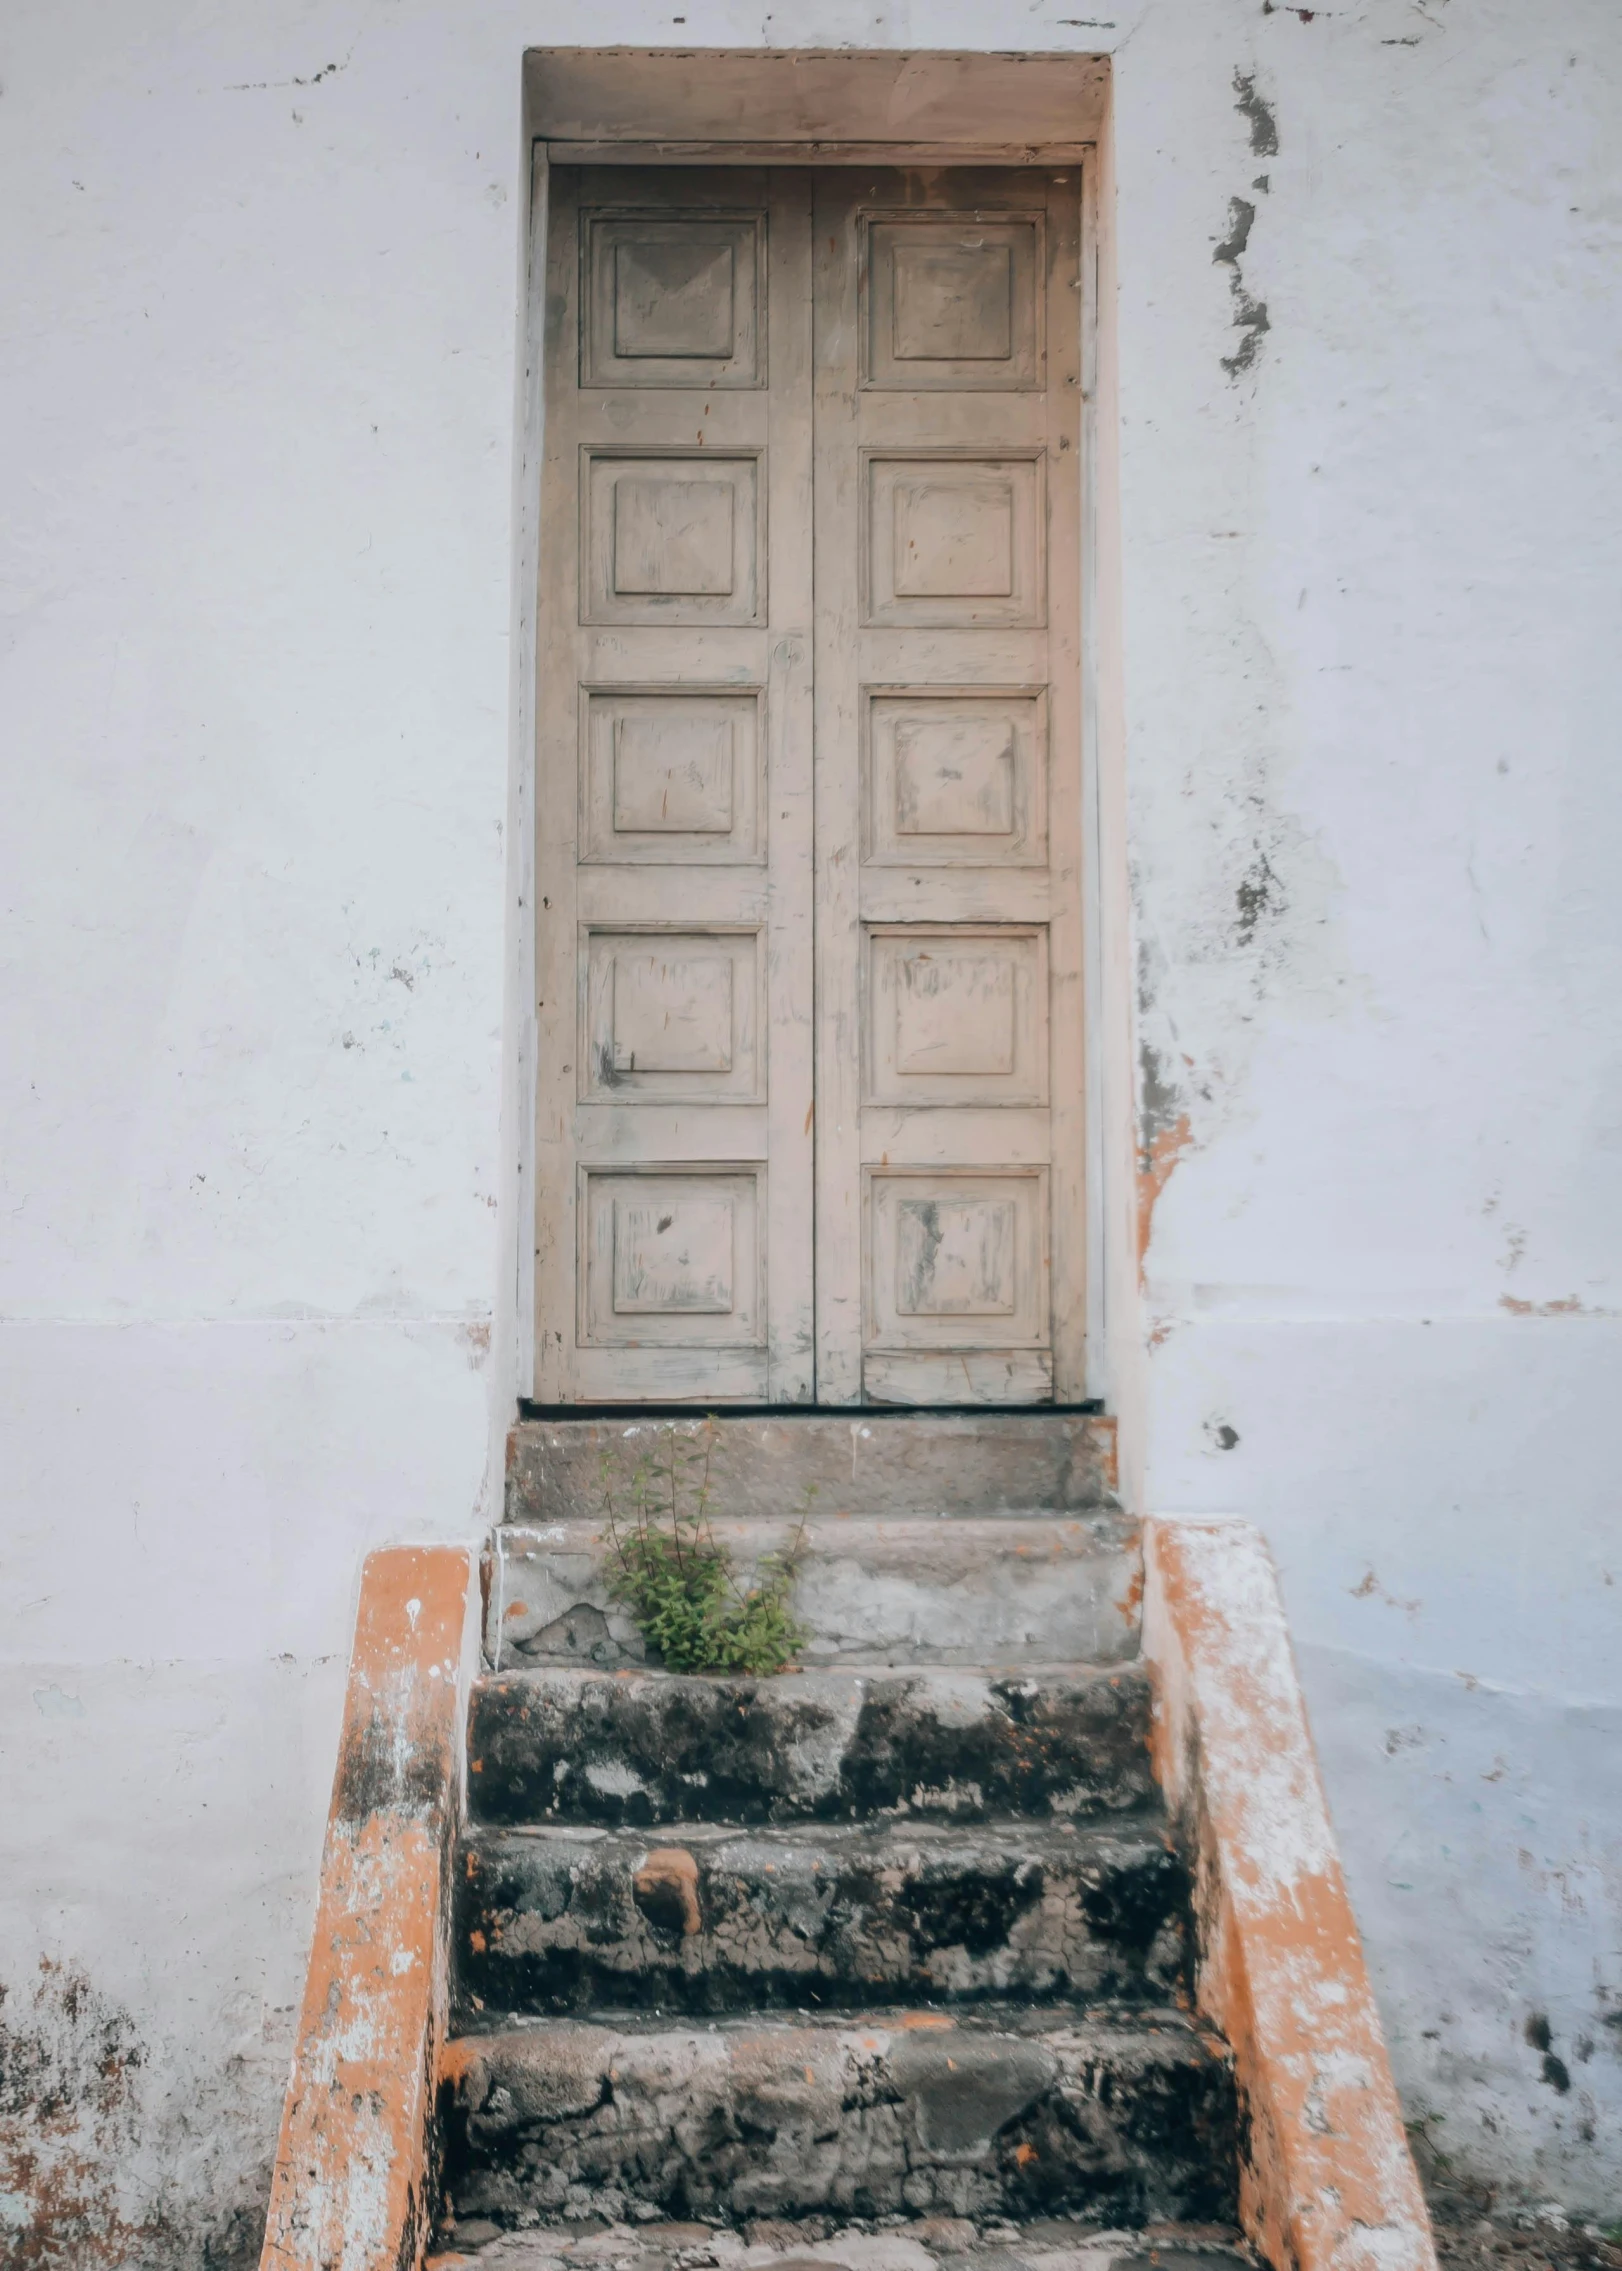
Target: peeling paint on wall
column 78, row 2110
column 1253, row 927
column 1257, row 114
column 1249, row 314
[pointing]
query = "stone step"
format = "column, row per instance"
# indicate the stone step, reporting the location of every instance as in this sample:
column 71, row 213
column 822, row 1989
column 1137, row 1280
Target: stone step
column 866, row 1464
column 557, row 1920
column 829, row 2243
column 965, row 1591
column 1011, row 2113
column 637, row 1748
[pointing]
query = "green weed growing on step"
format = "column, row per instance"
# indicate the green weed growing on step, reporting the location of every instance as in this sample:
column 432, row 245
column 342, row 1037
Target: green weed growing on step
column 676, row 1577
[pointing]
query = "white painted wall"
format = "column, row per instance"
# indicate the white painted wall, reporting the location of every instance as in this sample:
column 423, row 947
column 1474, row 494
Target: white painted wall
column 258, row 321
column 1371, row 684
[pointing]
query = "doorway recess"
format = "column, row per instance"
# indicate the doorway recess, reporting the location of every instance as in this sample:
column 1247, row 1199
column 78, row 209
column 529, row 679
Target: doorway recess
column 811, row 845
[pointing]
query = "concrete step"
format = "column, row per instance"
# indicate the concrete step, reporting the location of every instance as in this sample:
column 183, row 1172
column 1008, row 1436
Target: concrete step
column 866, row 1464
column 1002, row 2113
column 559, row 1920
column 964, row 1591
column 828, row 2243
column 636, row 1748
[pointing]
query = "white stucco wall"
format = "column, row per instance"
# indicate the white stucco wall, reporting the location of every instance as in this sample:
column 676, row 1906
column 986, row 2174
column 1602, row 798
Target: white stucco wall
column 259, row 284
column 1371, row 686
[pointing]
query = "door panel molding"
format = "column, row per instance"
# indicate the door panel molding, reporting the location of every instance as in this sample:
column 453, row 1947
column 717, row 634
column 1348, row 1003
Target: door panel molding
column 673, row 298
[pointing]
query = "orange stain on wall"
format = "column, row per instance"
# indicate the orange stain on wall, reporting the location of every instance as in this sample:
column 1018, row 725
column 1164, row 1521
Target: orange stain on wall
column 1156, row 1160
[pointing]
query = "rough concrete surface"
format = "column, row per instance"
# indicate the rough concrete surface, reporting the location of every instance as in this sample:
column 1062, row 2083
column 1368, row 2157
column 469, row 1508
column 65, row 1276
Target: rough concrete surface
column 709, row 1920
column 825, row 2244
column 643, row 1747
column 966, row 1590
column 1010, row 2111
column 869, row 1464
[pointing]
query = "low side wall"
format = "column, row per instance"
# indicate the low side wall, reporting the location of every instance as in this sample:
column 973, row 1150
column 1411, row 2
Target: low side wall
column 352, row 2186
column 1327, row 2182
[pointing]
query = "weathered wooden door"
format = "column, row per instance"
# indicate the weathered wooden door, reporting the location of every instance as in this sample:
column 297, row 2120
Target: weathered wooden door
column 674, row 1139
column 949, row 1075
column 809, row 766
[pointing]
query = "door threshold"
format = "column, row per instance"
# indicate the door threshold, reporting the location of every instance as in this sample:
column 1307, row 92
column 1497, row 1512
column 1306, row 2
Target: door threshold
column 530, row 1410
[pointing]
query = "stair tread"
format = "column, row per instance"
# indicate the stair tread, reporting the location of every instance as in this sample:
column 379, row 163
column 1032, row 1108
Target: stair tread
column 919, row 2244
column 1131, row 2025
column 885, row 1833
column 856, row 1668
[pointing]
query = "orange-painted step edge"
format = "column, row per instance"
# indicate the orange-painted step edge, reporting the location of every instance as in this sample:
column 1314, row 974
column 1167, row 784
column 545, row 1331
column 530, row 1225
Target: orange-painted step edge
column 1327, row 2182
column 352, row 2185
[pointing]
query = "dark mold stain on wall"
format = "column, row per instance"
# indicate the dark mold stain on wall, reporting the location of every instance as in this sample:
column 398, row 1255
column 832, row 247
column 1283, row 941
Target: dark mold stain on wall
column 68, row 2064
column 73, row 2071
column 1258, row 894
column 1555, row 2072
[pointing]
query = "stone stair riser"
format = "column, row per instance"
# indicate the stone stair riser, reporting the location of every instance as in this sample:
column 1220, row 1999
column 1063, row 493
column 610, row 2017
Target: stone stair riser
column 962, row 1592
column 864, row 1466
column 557, row 1921
column 875, row 2119
column 641, row 1749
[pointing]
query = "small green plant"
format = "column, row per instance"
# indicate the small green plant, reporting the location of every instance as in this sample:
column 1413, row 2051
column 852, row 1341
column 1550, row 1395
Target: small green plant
column 676, row 1577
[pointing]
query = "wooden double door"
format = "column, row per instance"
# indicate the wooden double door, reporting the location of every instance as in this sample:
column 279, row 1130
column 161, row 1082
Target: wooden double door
column 808, row 810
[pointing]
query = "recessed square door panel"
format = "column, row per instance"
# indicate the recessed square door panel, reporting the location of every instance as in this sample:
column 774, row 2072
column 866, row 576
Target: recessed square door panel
column 953, row 541
column 672, row 538
column 671, row 1257
column 956, row 1016
column 955, row 778
column 956, row 1259
column 673, row 299
column 670, row 774
column 671, row 1017
column 952, row 303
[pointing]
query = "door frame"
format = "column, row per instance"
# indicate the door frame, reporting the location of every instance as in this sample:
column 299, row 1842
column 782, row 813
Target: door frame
column 808, row 108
